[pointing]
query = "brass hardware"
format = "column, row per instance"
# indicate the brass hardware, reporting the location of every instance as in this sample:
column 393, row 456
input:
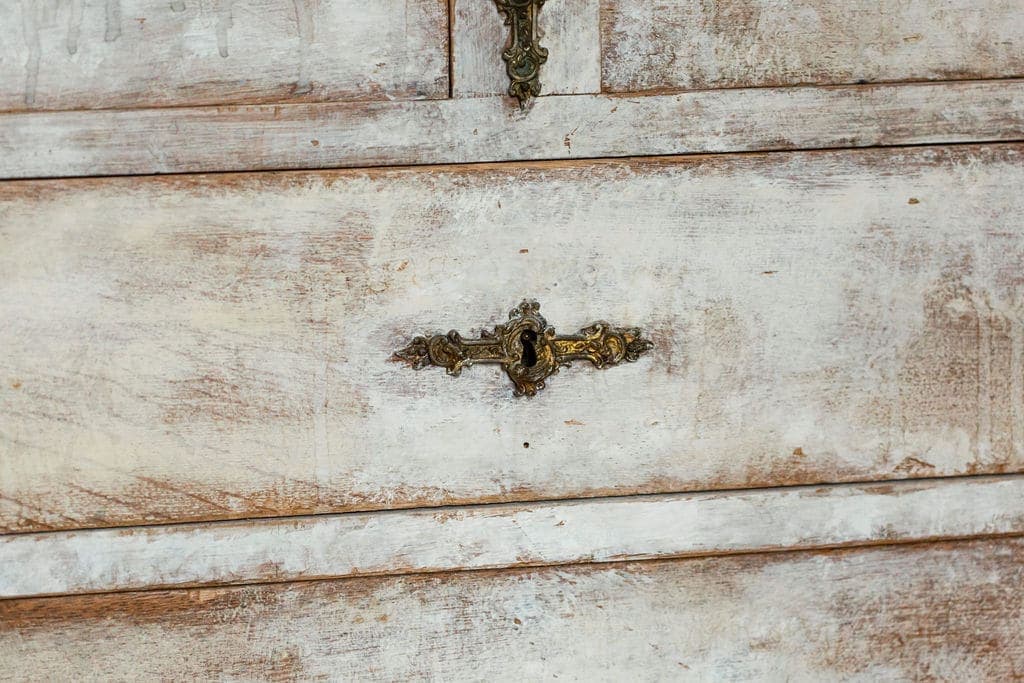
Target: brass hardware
column 524, row 56
column 527, row 348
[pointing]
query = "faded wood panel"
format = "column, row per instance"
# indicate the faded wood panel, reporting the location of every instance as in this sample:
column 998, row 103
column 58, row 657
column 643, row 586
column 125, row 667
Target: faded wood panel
column 679, row 44
column 85, row 54
column 945, row 611
column 494, row 129
column 569, row 29
column 480, row 537
column 184, row 348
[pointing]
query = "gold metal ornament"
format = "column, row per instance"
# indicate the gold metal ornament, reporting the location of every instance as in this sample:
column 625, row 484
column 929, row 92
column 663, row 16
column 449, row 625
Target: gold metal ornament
column 524, row 57
column 527, row 348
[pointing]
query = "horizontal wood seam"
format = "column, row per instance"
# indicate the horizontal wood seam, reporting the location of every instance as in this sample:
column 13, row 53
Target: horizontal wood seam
column 510, row 502
column 564, row 533
column 439, row 97
column 623, row 94
column 539, row 164
column 485, row 571
column 667, row 91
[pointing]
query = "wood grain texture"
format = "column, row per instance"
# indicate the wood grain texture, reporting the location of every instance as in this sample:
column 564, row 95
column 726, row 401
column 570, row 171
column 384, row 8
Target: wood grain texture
column 494, row 129
column 926, row 612
column 189, row 348
column 477, row 537
column 87, row 54
column 680, row 44
column 569, row 29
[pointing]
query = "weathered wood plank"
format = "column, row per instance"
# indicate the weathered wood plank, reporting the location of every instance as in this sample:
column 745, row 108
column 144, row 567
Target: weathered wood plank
column 569, row 29
column 86, row 54
column 494, row 129
column 478, row 537
column 186, row 348
column 680, row 44
column 950, row 611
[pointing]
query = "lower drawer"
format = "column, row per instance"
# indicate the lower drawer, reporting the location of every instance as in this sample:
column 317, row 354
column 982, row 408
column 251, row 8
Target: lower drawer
column 949, row 611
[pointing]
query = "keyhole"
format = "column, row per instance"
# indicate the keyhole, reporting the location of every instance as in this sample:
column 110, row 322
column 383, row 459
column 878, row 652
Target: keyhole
column 529, row 359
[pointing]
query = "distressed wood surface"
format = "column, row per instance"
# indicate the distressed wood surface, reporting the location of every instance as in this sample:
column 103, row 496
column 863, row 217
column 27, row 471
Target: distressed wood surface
column 569, row 29
column 948, row 611
column 494, row 129
column 87, row 54
column 215, row 347
column 680, row 44
column 477, row 537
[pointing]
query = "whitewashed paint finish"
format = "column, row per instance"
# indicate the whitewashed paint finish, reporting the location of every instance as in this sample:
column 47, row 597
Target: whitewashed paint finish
column 494, row 129
column 569, row 29
column 214, row 347
column 949, row 611
column 681, row 44
column 479, row 537
column 86, row 54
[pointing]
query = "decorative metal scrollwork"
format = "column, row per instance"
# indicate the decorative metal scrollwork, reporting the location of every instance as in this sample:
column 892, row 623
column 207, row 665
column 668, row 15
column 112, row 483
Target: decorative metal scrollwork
column 527, row 348
column 524, row 57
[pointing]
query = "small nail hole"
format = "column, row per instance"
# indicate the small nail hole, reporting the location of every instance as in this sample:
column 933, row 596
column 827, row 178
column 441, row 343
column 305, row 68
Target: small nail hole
column 526, row 444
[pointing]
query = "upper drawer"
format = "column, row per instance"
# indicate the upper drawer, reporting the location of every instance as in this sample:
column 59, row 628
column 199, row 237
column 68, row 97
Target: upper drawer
column 201, row 347
column 694, row 44
column 84, row 54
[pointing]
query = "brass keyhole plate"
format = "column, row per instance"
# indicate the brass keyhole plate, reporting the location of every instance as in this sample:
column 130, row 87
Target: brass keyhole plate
column 523, row 56
column 527, row 348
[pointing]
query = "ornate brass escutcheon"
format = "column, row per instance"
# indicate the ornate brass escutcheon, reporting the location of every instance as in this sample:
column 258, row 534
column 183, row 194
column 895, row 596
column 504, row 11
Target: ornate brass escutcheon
column 524, row 57
column 527, row 348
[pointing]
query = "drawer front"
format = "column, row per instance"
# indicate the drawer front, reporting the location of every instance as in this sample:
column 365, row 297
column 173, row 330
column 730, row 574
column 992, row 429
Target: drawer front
column 86, row 54
column 212, row 347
